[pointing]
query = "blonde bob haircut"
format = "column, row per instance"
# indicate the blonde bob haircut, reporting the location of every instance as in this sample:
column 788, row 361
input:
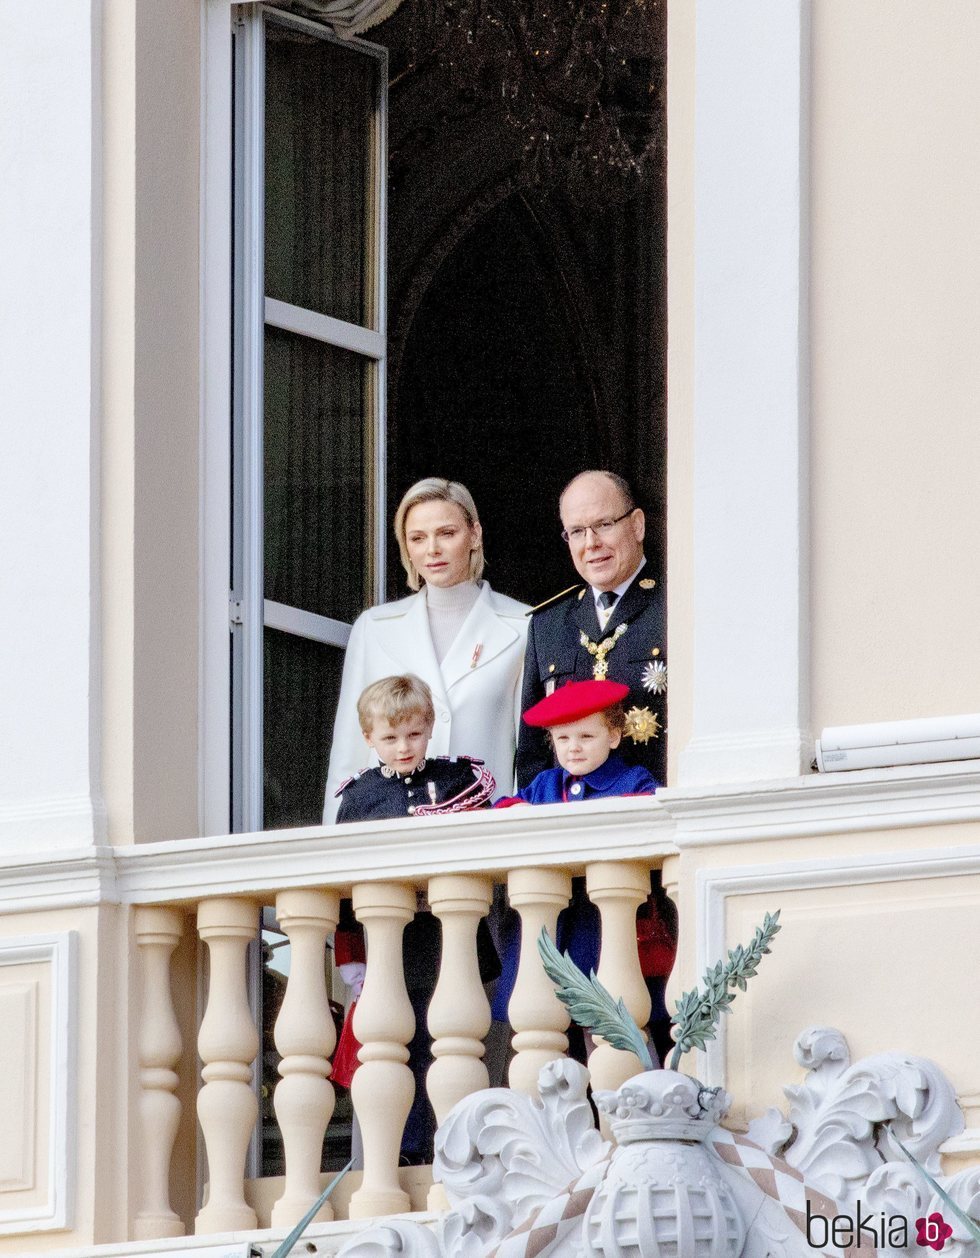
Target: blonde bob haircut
column 395, row 699
column 435, row 489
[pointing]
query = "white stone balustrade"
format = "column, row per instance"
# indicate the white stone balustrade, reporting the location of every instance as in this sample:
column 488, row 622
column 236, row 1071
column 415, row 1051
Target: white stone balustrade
column 618, row 889
column 228, row 1043
column 537, row 1015
column 304, row 885
column 305, row 1037
column 158, row 931
column 383, row 1087
column 459, row 1013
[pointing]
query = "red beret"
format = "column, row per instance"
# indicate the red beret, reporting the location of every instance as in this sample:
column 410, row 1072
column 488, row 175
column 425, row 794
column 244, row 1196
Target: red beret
column 573, row 701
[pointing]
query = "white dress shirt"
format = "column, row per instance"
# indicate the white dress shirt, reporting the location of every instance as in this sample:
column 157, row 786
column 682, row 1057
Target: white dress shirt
column 605, row 612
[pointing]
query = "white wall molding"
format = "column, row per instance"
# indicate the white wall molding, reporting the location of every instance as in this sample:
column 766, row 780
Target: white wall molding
column 714, row 887
column 834, row 803
column 50, row 824
column 751, row 649
column 967, row 1143
column 35, row 881
column 60, row 952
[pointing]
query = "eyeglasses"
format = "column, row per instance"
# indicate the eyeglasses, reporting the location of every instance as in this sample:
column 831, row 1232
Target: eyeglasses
column 601, row 528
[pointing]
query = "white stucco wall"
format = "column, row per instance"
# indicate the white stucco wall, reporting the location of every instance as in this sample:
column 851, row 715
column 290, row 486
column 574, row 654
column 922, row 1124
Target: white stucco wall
column 49, row 403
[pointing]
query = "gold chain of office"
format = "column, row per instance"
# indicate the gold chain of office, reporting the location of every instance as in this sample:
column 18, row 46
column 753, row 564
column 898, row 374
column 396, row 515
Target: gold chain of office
column 599, row 651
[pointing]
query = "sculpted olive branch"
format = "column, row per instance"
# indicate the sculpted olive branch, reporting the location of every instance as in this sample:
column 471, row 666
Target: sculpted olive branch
column 589, row 1004
column 695, row 1020
column 696, row 1015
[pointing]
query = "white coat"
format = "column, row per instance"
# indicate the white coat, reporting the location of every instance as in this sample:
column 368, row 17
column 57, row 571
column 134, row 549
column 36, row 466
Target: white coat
column 476, row 692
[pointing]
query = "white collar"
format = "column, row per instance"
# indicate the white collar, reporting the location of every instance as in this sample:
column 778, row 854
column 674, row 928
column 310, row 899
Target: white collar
column 620, row 590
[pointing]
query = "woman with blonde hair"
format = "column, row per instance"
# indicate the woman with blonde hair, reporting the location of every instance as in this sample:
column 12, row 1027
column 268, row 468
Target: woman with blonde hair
column 456, row 633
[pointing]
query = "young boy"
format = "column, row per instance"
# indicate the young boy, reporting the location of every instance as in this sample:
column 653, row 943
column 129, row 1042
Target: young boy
column 585, row 720
column 396, row 716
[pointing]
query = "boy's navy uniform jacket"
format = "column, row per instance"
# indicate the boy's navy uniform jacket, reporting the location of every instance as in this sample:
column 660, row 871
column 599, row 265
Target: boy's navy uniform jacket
column 556, row 654
column 442, row 785
column 614, row 777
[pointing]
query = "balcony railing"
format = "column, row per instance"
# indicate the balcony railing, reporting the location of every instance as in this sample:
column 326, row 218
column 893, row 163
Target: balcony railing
column 217, row 887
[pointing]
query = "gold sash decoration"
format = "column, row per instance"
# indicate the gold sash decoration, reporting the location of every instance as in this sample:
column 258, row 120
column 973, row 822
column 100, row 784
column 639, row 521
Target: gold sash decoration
column 599, row 651
column 642, row 725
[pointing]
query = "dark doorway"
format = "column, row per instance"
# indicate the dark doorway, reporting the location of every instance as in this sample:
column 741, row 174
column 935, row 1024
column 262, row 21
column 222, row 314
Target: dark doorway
column 526, row 320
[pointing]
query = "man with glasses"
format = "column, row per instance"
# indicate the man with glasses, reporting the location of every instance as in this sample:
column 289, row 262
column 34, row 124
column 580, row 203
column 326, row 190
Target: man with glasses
column 614, row 626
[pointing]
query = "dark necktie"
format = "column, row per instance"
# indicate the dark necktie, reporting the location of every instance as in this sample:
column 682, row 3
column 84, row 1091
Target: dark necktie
column 606, row 600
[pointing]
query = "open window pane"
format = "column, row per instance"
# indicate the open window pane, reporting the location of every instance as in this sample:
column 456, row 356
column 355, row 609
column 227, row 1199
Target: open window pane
column 320, row 102
column 316, row 513
column 302, row 684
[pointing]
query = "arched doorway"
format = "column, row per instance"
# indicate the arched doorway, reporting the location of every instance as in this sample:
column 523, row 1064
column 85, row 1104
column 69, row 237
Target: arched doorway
column 527, row 322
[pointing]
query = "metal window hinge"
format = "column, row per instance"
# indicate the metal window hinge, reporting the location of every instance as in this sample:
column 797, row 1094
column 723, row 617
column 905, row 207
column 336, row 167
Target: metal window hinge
column 235, row 613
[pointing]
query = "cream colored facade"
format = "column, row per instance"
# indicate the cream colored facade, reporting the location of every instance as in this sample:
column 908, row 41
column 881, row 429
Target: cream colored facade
column 842, row 540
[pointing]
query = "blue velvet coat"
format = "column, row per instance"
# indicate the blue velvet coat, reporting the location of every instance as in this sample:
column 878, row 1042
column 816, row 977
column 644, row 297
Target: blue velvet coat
column 614, row 777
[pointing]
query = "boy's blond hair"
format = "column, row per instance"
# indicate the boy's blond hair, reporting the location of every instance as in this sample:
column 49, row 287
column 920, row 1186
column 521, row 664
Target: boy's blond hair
column 395, row 699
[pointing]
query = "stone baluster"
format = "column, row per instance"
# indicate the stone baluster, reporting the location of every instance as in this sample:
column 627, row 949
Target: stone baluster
column 383, row 1086
column 537, row 1015
column 459, row 1013
column 158, row 931
column 227, row 1043
column 305, row 1037
column 670, row 877
column 618, row 889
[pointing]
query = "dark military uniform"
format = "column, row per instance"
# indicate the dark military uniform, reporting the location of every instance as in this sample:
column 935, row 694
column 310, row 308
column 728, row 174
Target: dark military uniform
column 638, row 658
column 443, row 785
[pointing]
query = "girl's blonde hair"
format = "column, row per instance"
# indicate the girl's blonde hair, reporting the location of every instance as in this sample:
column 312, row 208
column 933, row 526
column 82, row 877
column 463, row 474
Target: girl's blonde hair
column 435, row 489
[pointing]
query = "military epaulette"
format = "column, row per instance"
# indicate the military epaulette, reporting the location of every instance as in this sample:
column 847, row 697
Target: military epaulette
column 344, row 785
column 460, row 759
column 554, row 599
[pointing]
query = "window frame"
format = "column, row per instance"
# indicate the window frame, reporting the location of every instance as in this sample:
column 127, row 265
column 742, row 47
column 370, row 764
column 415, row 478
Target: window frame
column 234, row 610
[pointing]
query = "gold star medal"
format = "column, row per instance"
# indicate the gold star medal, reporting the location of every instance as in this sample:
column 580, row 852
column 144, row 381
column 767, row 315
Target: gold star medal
column 599, row 651
column 642, row 725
